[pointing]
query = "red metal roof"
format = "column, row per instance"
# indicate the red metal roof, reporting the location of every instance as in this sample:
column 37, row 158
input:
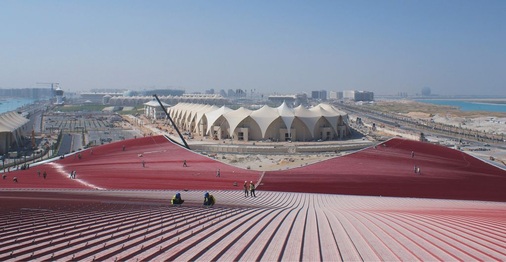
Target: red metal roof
column 299, row 214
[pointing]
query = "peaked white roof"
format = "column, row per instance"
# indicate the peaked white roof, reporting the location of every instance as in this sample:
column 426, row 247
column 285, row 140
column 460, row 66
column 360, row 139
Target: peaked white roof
column 188, row 114
column 201, row 113
column 287, row 115
column 193, row 110
column 264, row 117
column 212, row 116
column 332, row 109
column 331, row 117
column 309, row 118
column 235, row 117
column 155, row 103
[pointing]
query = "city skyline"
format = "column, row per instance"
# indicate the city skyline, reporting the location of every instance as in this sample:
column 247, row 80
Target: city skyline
column 453, row 47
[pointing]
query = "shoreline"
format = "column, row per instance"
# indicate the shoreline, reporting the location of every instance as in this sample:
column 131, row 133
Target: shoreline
column 470, row 105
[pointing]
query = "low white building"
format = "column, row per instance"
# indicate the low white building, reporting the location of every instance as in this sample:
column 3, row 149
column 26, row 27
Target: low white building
column 153, row 110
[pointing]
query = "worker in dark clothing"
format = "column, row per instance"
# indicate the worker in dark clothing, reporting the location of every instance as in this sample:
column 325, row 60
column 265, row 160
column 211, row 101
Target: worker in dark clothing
column 246, row 189
column 177, row 200
column 209, row 200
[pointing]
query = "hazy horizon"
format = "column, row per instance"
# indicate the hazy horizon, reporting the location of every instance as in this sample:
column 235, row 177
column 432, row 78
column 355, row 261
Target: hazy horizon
column 453, row 47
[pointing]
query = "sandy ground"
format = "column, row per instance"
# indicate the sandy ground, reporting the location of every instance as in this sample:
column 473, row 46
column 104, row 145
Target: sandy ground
column 487, row 122
column 272, row 162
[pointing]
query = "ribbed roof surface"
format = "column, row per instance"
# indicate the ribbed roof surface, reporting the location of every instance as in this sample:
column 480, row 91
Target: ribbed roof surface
column 274, row 226
column 83, row 223
column 11, row 121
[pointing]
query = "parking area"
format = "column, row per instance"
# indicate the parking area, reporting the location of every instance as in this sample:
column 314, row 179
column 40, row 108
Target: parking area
column 112, row 134
column 76, row 122
column 89, row 129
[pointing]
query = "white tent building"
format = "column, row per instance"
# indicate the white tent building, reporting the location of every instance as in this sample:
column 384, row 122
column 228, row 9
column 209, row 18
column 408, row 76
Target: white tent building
column 283, row 123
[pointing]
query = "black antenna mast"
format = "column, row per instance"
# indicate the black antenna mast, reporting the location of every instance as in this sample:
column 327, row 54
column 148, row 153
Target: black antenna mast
column 172, row 122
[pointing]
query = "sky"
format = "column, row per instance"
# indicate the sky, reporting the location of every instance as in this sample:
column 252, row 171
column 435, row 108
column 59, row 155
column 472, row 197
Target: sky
column 455, row 47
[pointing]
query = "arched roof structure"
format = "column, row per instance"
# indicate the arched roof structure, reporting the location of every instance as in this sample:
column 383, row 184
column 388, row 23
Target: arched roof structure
column 189, row 116
column 309, row 118
column 234, row 118
column 287, row 115
column 331, row 117
column 264, row 117
column 212, row 116
column 202, row 112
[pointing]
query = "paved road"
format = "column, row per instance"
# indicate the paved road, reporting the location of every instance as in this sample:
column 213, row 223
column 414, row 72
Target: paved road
column 65, row 145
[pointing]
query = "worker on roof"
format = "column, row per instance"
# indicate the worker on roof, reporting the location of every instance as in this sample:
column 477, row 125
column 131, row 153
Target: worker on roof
column 252, row 189
column 177, row 200
column 246, row 189
column 209, row 200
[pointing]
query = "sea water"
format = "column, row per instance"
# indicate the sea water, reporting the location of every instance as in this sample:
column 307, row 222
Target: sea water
column 464, row 105
column 9, row 104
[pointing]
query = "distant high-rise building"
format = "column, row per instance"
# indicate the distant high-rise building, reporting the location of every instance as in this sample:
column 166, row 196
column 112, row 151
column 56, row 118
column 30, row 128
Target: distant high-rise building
column 358, row 95
column 320, row 94
column 426, row 91
column 402, row 94
column 333, row 95
column 364, row 96
column 240, row 93
column 349, row 94
column 33, row 93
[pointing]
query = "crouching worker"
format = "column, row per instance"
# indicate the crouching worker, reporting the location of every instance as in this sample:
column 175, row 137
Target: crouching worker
column 177, row 200
column 209, row 200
